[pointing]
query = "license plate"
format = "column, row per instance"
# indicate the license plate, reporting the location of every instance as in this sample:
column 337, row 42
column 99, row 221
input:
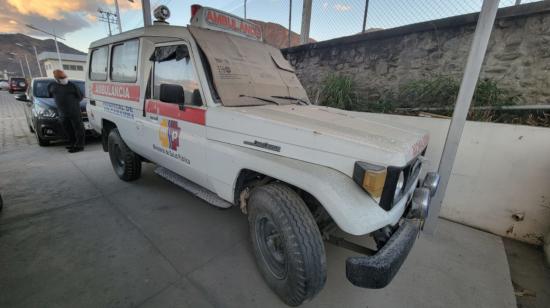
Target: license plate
column 87, row 125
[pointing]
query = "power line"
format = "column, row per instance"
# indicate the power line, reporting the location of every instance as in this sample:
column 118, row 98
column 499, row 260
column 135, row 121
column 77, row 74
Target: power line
column 107, row 17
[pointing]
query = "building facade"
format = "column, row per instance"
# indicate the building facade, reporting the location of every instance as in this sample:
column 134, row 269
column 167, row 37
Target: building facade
column 74, row 65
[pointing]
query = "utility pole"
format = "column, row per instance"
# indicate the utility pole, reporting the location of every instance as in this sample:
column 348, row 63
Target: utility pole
column 108, row 17
column 244, row 9
column 118, row 17
column 306, row 21
column 20, row 62
column 146, row 6
column 55, row 37
column 28, row 66
column 37, row 61
column 365, row 15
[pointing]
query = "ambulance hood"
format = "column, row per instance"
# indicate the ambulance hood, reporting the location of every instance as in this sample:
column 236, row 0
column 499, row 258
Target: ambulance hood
column 311, row 132
column 243, row 68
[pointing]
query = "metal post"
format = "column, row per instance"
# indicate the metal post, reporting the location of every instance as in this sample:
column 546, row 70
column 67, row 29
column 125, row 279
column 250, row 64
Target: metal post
column 22, row 69
column 57, row 49
column 244, row 9
column 28, row 66
column 38, row 61
column 306, row 20
column 146, row 6
column 518, row 2
column 289, row 23
column 465, row 94
column 118, row 17
column 365, row 15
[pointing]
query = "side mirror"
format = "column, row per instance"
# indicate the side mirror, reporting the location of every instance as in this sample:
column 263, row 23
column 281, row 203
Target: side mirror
column 172, row 93
column 22, row 97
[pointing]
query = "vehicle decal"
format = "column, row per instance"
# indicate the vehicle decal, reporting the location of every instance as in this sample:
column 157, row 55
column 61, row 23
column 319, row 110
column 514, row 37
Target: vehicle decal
column 188, row 114
column 120, row 91
column 119, row 110
column 169, row 137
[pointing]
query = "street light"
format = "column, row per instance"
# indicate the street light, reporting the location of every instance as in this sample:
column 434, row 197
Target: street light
column 55, row 37
column 26, row 60
column 20, row 62
column 118, row 15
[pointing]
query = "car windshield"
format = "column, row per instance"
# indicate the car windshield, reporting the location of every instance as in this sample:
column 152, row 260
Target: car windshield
column 41, row 87
column 18, row 80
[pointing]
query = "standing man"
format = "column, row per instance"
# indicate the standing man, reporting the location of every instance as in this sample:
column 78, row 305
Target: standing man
column 67, row 97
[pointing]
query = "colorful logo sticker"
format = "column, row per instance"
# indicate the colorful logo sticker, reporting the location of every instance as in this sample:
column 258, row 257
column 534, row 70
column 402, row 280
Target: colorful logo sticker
column 169, row 134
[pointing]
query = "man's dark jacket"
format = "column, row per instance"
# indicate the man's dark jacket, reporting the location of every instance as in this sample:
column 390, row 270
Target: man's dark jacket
column 67, row 97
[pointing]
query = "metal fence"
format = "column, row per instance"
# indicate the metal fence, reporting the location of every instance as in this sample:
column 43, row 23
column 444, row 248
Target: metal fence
column 336, row 18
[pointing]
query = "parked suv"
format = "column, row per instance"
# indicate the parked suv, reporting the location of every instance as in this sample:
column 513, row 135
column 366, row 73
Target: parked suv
column 224, row 116
column 17, row 84
column 41, row 111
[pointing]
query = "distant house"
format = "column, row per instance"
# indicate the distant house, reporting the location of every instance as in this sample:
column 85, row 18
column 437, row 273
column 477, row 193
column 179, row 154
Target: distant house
column 73, row 64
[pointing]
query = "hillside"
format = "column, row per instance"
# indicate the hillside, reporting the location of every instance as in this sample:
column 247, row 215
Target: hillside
column 277, row 35
column 8, row 44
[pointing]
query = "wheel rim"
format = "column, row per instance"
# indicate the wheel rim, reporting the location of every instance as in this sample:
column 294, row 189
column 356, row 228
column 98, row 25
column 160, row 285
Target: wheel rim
column 270, row 242
column 118, row 156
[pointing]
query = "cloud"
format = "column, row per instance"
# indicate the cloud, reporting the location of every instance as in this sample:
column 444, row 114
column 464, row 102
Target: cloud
column 65, row 16
column 340, row 7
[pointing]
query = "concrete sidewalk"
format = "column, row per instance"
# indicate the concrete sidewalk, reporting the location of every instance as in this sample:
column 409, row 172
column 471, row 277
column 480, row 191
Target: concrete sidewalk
column 73, row 235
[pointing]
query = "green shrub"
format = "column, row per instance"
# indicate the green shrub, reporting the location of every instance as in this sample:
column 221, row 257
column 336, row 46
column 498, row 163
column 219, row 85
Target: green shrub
column 338, row 92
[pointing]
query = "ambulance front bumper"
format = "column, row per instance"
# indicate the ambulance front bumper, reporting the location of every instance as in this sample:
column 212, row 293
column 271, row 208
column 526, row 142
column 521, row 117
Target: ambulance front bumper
column 377, row 271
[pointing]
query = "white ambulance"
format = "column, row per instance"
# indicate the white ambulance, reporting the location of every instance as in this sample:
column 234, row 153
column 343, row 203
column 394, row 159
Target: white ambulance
column 223, row 115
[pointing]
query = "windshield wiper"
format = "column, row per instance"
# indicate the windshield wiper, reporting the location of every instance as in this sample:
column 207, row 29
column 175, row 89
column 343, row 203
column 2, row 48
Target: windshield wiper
column 299, row 100
column 261, row 98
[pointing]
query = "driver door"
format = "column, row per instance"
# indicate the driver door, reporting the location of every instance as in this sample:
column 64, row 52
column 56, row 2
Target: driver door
column 178, row 113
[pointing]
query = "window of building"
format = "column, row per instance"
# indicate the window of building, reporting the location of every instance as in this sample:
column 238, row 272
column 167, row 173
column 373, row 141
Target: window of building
column 79, row 68
column 172, row 65
column 98, row 64
column 66, row 67
column 124, row 61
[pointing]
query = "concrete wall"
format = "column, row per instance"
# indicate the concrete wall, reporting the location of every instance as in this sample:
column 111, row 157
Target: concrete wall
column 501, row 174
column 518, row 56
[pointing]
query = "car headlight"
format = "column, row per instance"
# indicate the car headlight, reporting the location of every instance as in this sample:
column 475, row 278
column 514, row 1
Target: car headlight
column 45, row 111
column 371, row 177
column 399, row 186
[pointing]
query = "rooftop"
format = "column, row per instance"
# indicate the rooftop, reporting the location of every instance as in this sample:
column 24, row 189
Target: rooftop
column 47, row 55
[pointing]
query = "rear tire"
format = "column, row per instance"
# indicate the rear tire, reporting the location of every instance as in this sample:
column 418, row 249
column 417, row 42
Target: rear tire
column 287, row 243
column 127, row 164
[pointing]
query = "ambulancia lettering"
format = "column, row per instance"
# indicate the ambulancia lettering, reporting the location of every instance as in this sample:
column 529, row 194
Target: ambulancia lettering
column 126, row 92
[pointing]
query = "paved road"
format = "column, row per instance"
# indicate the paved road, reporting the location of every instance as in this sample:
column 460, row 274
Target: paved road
column 73, row 235
column 14, row 132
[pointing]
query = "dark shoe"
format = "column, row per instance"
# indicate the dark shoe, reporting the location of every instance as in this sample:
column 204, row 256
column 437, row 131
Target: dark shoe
column 69, row 147
column 76, row 149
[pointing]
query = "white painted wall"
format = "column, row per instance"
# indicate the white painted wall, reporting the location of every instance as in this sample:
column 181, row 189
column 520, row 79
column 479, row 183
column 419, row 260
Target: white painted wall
column 52, row 65
column 500, row 170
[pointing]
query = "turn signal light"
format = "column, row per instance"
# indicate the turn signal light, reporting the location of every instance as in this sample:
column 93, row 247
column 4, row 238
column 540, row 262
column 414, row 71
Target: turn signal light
column 194, row 9
column 371, row 177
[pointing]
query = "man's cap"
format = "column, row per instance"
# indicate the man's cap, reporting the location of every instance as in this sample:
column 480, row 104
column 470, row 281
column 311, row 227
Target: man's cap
column 59, row 74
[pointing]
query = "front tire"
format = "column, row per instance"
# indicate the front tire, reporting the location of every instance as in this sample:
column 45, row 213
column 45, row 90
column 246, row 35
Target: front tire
column 287, row 243
column 41, row 142
column 127, row 164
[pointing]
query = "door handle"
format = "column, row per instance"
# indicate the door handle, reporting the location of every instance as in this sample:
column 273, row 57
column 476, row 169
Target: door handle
column 181, row 107
column 92, row 102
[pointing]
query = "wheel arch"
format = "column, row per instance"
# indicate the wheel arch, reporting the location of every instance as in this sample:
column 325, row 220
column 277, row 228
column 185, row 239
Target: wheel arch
column 106, row 127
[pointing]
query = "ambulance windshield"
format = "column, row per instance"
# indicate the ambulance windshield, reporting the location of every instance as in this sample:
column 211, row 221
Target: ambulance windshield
column 247, row 72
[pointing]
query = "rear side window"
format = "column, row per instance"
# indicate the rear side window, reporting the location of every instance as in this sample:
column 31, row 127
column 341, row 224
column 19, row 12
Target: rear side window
column 124, row 61
column 98, row 64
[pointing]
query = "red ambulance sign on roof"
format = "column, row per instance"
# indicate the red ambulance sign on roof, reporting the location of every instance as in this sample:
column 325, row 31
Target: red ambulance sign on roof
column 209, row 18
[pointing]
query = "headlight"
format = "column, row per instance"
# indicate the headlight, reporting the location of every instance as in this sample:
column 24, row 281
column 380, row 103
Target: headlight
column 45, row 111
column 399, row 187
column 371, row 177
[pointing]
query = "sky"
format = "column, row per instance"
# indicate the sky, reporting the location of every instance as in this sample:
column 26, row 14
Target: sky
column 76, row 20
